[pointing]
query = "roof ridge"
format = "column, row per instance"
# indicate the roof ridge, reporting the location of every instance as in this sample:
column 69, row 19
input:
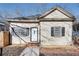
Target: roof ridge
column 60, row 9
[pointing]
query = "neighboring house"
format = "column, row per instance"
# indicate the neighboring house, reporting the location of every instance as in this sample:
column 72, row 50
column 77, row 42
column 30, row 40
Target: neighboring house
column 51, row 28
column 76, row 26
column 3, row 27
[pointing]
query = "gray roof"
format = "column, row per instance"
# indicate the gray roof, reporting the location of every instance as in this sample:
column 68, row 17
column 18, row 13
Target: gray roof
column 39, row 16
column 32, row 17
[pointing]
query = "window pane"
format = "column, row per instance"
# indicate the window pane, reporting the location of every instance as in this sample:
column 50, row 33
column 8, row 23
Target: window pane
column 57, row 31
column 20, row 31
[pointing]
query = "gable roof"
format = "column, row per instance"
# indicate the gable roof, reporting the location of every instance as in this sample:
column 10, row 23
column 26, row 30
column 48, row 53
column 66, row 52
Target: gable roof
column 59, row 9
column 40, row 17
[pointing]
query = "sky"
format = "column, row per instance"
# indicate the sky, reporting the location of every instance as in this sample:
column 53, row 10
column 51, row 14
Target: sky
column 28, row 9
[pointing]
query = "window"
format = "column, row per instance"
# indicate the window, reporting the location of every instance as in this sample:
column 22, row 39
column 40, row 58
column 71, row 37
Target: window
column 20, row 31
column 57, row 31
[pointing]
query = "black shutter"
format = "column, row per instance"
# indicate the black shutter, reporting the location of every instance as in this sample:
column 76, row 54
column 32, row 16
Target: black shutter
column 52, row 31
column 27, row 31
column 63, row 31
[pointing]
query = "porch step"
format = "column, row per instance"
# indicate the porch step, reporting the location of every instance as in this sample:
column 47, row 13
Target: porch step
column 33, row 44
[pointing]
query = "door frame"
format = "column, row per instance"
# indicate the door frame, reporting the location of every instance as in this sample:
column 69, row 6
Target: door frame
column 31, row 34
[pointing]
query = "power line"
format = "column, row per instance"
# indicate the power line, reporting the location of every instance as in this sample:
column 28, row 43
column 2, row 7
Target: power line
column 18, row 35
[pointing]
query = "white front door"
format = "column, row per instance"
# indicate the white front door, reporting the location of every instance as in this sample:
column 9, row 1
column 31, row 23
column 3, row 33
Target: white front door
column 34, row 34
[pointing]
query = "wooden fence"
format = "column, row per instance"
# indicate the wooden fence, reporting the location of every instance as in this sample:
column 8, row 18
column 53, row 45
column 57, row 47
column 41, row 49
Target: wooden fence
column 4, row 38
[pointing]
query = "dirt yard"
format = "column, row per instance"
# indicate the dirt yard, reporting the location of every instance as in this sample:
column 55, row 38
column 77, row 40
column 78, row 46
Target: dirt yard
column 60, row 51
column 13, row 50
column 16, row 50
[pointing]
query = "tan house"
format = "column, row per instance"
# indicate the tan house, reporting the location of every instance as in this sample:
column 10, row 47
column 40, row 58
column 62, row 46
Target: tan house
column 53, row 27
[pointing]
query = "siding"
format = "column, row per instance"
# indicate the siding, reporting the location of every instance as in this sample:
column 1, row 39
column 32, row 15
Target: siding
column 56, row 14
column 47, row 39
column 16, row 40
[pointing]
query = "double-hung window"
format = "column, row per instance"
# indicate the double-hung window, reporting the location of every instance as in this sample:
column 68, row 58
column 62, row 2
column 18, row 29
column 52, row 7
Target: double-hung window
column 57, row 31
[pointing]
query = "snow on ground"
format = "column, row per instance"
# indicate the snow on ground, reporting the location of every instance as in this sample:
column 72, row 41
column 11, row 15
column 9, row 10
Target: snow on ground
column 30, row 51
